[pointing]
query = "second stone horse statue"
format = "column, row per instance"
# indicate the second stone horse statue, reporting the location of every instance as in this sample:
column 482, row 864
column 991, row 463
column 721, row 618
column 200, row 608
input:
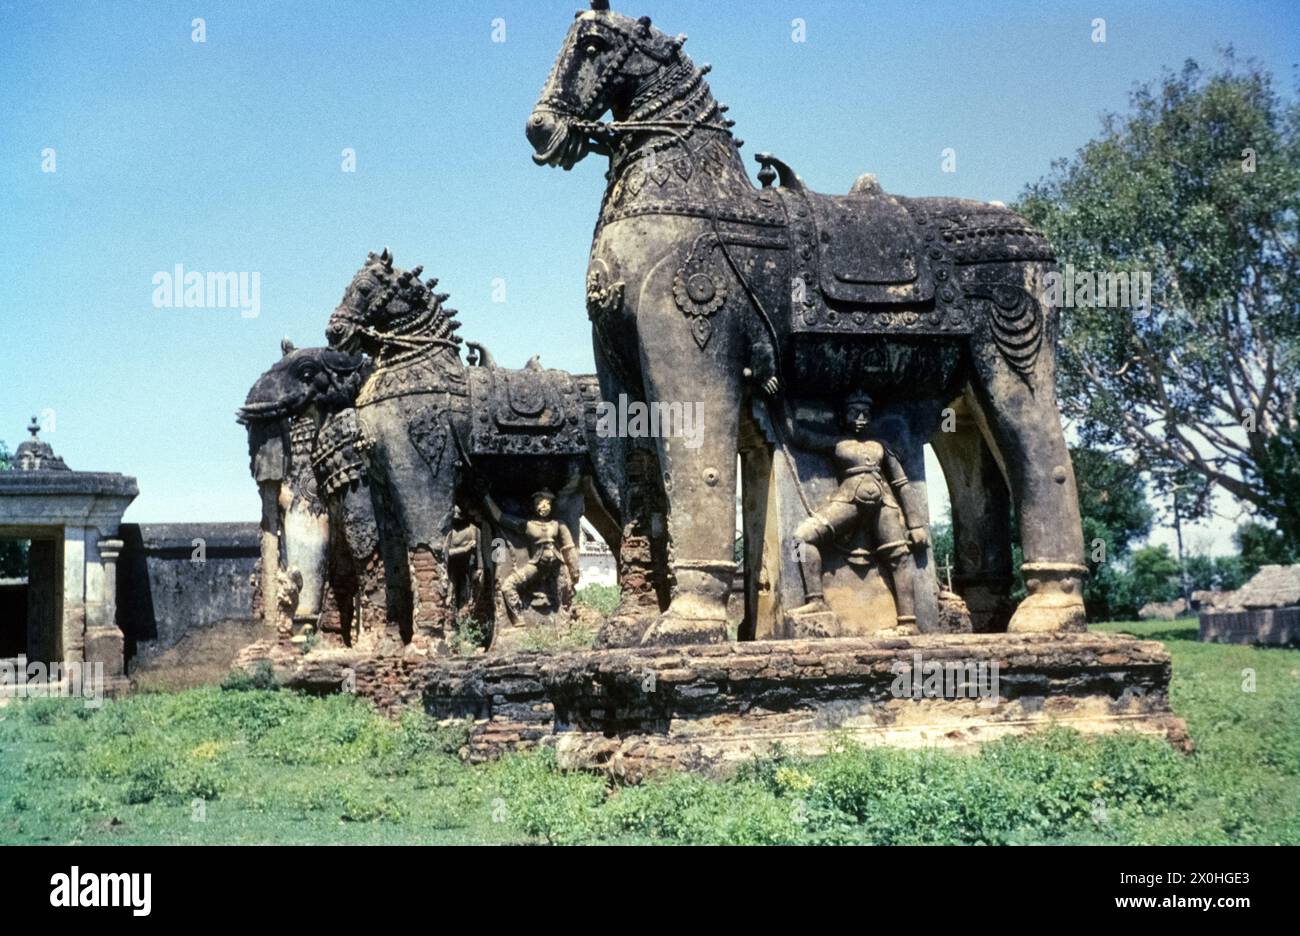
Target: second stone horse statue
column 438, row 433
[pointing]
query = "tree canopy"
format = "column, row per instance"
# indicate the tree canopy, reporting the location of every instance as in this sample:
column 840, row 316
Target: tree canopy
column 1199, row 186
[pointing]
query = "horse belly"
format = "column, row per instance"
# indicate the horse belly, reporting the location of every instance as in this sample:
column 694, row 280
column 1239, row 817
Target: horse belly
column 830, row 366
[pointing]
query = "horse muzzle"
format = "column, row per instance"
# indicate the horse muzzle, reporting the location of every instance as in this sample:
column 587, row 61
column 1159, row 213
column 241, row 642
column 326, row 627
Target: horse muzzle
column 342, row 335
column 553, row 140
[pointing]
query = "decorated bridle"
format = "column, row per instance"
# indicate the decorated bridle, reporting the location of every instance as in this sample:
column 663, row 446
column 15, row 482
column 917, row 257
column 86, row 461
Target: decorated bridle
column 606, row 134
column 403, row 332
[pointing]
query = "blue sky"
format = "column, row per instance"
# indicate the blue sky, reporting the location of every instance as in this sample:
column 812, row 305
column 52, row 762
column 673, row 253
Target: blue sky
column 225, row 156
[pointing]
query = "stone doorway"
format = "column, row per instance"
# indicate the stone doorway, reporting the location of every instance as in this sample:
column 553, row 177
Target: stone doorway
column 31, row 595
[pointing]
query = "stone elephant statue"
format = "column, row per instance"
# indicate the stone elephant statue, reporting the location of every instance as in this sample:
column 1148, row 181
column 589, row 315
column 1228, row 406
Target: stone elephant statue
column 321, row 522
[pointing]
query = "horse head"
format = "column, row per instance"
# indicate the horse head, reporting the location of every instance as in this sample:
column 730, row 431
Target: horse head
column 386, row 308
column 607, row 62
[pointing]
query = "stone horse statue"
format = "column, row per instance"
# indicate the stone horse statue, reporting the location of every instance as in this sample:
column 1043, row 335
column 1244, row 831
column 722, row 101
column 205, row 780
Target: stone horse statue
column 438, row 433
column 703, row 287
column 320, row 517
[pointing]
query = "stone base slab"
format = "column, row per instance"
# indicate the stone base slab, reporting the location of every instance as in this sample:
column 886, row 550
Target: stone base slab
column 1269, row 626
column 710, row 707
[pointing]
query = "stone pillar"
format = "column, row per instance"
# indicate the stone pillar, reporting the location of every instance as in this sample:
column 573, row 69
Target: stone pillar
column 74, row 594
column 981, row 520
column 104, row 640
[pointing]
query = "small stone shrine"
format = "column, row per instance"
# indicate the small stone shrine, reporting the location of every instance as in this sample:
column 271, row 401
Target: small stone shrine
column 71, row 520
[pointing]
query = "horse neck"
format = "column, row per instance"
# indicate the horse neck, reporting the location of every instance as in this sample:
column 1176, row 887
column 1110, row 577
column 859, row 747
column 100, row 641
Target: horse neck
column 424, row 339
column 678, row 94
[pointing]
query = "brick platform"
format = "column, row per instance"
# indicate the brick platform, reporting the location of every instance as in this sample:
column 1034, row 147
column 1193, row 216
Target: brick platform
column 707, row 708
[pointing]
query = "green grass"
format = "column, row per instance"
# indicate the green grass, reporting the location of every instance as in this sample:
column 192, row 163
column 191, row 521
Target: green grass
column 259, row 765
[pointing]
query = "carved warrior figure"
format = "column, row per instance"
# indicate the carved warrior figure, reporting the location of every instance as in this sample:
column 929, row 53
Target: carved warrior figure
column 549, row 544
column 288, row 588
column 701, row 286
column 874, row 493
column 429, row 423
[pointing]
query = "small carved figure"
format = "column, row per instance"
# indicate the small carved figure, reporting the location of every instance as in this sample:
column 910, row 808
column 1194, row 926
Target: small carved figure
column 874, row 494
column 549, row 543
column 288, row 586
column 462, row 561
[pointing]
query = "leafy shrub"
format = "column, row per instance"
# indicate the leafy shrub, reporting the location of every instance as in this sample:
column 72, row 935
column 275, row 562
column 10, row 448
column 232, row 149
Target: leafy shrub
column 604, row 598
column 262, row 677
column 369, row 804
column 170, row 780
column 334, row 730
column 468, row 637
column 687, row 808
column 544, row 802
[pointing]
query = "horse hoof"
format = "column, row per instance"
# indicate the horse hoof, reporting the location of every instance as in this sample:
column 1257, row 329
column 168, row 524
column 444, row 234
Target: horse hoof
column 1047, row 613
column 671, row 630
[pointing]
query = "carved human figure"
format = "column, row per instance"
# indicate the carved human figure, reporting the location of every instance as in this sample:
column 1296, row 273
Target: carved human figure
column 288, row 586
column 549, row 544
column 873, row 494
column 462, row 561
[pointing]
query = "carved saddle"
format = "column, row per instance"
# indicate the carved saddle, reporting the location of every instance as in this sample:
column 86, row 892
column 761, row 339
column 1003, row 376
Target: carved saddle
column 528, row 411
column 870, row 262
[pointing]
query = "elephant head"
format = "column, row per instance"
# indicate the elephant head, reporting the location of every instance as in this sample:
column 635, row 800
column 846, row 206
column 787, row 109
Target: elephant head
column 304, row 377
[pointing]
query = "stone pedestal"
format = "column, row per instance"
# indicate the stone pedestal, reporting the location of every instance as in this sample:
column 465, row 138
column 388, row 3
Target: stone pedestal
column 708, row 708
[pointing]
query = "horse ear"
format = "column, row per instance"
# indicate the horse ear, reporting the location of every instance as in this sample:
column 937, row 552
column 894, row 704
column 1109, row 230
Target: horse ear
column 286, row 347
column 600, row 5
column 387, row 258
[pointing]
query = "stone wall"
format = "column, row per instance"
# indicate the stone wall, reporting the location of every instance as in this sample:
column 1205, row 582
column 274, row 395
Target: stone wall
column 1268, row 626
column 182, row 611
column 1266, row 610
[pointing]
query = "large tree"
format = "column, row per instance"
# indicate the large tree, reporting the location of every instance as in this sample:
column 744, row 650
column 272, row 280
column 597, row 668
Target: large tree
column 1199, row 186
column 1115, row 515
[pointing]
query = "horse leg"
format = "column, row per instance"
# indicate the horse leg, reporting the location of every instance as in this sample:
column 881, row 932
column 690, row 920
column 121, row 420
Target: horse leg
column 390, row 568
column 420, row 482
column 1019, row 407
column 981, row 519
column 699, row 478
column 625, row 480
